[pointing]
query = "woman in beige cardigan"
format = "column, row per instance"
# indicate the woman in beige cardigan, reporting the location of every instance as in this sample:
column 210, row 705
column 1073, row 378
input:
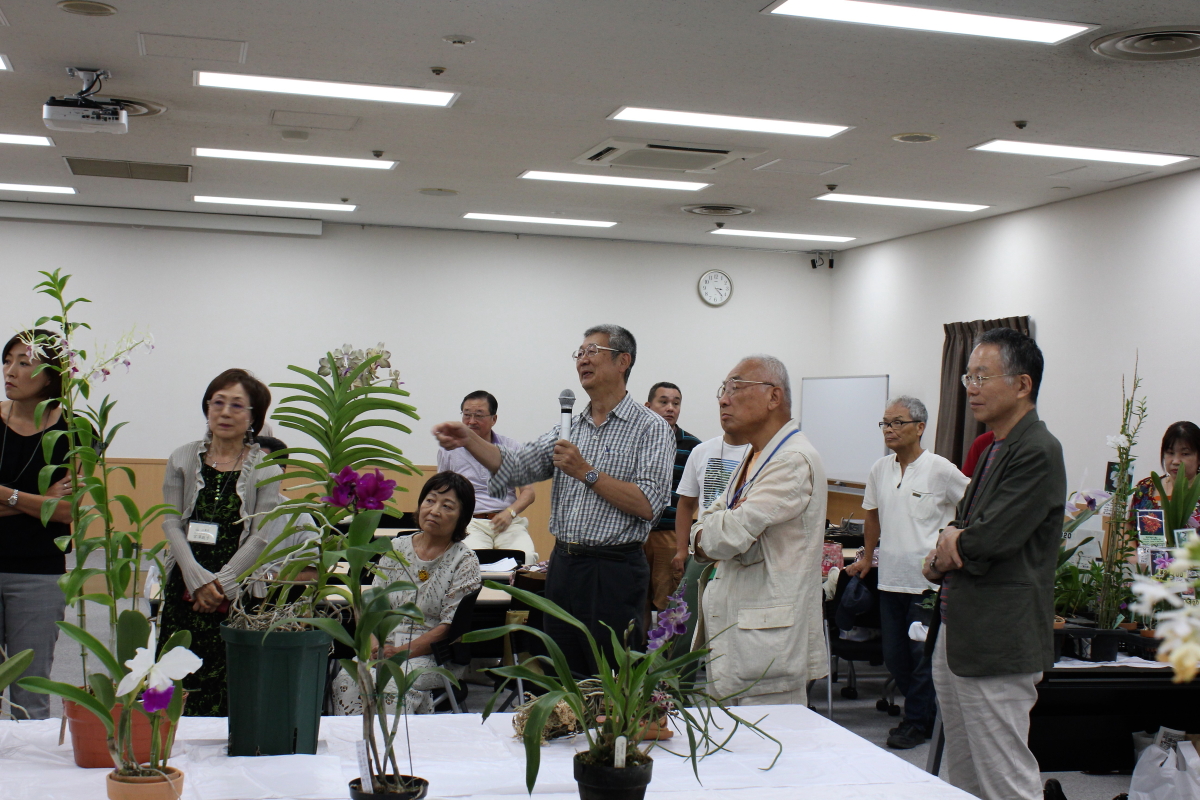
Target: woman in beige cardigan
column 216, row 534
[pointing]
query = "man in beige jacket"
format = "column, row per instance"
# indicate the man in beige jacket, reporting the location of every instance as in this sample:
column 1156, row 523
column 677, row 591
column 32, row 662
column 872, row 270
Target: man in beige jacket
column 761, row 612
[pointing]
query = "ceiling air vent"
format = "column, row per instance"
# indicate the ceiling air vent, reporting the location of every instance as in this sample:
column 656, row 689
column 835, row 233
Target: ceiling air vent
column 668, row 155
column 718, row 210
column 1151, row 44
column 139, row 170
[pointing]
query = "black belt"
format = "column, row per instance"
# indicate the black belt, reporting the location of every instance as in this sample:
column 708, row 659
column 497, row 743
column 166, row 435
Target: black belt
column 615, row 552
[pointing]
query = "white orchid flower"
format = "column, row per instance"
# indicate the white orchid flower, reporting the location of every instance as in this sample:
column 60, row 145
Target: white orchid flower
column 1151, row 592
column 1118, row 441
column 175, row 664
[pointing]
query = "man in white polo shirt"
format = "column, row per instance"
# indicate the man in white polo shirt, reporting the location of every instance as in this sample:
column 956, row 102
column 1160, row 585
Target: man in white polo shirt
column 910, row 496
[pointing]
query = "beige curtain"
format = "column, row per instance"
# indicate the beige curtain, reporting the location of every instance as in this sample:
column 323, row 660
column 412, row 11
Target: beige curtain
column 956, row 426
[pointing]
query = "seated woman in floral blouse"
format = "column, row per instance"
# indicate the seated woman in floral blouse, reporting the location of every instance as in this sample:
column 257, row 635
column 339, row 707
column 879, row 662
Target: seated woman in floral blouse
column 444, row 570
column 1180, row 447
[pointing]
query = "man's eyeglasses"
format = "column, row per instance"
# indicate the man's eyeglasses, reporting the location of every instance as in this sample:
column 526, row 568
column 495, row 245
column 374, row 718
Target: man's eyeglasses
column 476, row 417
column 592, row 350
column 978, row 380
column 897, row 424
column 730, row 386
column 219, row 406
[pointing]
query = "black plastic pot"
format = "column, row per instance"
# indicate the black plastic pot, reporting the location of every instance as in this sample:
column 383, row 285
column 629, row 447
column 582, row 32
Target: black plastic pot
column 597, row 782
column 418, row 787
column 1104, row 644
column 276, row 690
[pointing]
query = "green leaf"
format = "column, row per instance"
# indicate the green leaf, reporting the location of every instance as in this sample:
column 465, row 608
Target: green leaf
column 73, row 693
column 330, row 626
column 133, row 631
column 12, row 668
column 104, row 689
column 535, row 725
column 94, row 645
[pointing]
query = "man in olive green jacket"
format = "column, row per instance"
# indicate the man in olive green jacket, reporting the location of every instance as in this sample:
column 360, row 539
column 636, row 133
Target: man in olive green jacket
column 996, row 564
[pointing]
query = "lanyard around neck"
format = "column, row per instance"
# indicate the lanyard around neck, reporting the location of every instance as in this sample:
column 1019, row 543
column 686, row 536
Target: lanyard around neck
column 737, row 495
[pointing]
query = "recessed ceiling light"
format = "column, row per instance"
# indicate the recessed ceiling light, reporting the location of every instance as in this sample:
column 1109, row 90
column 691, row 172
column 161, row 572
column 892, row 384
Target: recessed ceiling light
column 633, row 114
column 930, row 19
column 292, row 158
column 777, row 235
column 439, row 192
column 607, row 180
column 899, row 201
column 1082, row 153
column 87, row 8
column 246, row 201
column 915, row 138
column 587, row 223
column 16, row 138
column 349, row 91
column 5, row 64
column 458, row 39
column 21, row 187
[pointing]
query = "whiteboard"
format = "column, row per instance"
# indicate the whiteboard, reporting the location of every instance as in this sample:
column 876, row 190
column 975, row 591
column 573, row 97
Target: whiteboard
column 840, row 416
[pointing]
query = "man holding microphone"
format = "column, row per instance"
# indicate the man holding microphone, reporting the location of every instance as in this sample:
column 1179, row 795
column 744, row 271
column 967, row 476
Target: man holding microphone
column 612, row 478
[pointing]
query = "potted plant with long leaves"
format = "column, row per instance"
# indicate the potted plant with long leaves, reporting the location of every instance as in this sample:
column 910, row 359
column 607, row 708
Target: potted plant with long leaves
column 11, row 668
column 624, row 710
column 1179, row 506
column 346, row 495
column 140, row 682
column 96, row 509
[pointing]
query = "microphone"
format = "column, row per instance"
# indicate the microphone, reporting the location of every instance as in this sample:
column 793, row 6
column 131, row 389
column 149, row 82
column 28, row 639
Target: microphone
column 566, row 402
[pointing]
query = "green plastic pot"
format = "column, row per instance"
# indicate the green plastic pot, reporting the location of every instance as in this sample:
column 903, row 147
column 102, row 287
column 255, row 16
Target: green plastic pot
column 276, row 690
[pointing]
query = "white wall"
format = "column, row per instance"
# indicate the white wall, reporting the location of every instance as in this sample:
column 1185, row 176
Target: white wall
column 1105, row 278
column 459, row 311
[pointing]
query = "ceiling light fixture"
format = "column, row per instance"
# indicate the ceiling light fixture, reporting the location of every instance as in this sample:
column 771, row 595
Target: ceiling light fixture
column 246, row 201
column 1082, row 153
column 348, row 91
column 634, row 114
column 22, row 187
column 5, row 64
column 587, row 223
column 930, row 19
column 899, row 201
column 606, row 180
column 16, row 138
column 292, row 158
column 777, row 235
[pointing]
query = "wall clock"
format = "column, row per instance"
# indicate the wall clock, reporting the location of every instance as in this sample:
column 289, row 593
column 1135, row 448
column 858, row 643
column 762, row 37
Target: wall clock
column 715, row 287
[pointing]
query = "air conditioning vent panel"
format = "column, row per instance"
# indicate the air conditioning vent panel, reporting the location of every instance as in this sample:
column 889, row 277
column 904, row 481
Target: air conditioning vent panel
column 137, row 170
column 665, row 155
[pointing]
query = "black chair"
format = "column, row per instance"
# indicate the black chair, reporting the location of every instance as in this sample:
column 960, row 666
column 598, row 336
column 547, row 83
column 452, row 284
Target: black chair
column 870, row 651
column 449, row 652
column 492, row 556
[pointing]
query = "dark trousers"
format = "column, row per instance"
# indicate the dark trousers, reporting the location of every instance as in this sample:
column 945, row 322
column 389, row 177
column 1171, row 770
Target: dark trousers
column 905, row 659
column 597, row 592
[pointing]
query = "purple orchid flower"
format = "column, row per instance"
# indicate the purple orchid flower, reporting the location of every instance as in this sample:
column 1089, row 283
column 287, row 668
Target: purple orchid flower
column 343, row 488
column 157, row 699
column 671, row 621
column 373, row 490
column 1163, row 561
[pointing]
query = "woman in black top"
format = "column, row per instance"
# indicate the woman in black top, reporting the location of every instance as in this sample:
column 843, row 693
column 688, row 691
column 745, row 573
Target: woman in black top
column 30, row 561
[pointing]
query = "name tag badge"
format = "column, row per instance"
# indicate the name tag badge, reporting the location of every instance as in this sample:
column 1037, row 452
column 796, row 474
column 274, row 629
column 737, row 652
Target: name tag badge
column 202, row 532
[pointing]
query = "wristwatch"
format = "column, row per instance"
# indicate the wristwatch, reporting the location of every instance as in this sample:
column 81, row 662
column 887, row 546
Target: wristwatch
column 12, row 499
column 590, row 477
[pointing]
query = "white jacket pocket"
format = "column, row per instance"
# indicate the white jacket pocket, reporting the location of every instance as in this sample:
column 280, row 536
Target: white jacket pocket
column 768, row 617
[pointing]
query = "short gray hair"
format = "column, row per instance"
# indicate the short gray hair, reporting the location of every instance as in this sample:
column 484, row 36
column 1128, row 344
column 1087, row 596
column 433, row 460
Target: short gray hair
column 777, row 372
column 916, row 409
column 619, row 339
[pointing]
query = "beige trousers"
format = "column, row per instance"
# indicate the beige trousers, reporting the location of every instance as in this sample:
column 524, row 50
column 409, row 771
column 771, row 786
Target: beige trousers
column 481, row 535
column 987, row 730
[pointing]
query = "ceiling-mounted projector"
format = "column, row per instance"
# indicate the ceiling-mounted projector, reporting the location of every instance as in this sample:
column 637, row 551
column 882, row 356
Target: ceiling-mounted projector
column 82, row 112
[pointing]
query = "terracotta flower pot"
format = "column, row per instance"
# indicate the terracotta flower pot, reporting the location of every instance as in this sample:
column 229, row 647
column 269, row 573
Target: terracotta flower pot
column 1129, row 626
column 89, row 740
column 1150, row 633
column 122, row 787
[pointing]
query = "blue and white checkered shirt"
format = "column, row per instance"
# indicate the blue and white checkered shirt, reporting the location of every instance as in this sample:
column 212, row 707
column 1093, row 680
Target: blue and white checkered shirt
column 633, row 444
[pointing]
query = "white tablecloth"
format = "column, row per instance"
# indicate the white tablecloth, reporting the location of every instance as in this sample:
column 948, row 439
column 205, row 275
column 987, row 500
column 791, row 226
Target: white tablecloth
column 463, row 758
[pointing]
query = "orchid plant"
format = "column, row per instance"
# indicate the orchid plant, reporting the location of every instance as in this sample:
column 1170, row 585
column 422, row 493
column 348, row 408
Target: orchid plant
column 636, row 691
column 89, row 430
column 137, row 680
column 346, row 495
column 1120, row 542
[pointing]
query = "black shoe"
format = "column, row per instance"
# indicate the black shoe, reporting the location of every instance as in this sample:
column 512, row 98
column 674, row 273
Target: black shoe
column 906, row 737
column 1053, row 790
column 926, row 732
